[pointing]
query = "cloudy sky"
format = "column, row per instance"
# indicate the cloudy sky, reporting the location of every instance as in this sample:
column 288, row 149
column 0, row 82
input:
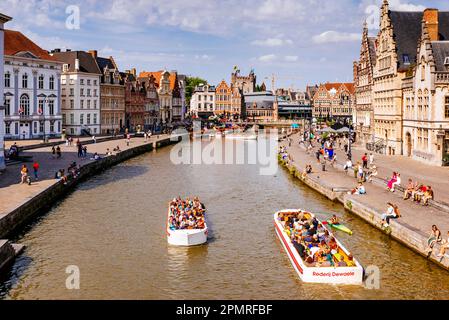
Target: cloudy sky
column 299, row 41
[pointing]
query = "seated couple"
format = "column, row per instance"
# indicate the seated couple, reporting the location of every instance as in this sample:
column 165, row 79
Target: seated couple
column 359, row 190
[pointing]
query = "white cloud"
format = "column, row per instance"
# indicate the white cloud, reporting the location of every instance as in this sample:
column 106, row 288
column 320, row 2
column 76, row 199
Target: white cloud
column 204, row 57
column 267, row 58
column 291, row 58
column 335, row 37
column 400, row 6
column 272, row 42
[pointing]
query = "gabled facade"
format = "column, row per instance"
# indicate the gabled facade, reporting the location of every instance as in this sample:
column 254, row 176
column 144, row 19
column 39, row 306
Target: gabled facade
column 112, row 95
column 363, row 82
column 223, row 99
column 334, row 101
column 32, row 89
column 426, row 94
column 202, row 104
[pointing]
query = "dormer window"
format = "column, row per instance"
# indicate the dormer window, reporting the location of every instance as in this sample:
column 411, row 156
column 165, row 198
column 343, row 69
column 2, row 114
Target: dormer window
column 406, row 59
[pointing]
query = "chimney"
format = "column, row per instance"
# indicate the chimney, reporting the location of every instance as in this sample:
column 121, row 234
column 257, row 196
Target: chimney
column 94, row 53
column 431, row 19
column 77, row 64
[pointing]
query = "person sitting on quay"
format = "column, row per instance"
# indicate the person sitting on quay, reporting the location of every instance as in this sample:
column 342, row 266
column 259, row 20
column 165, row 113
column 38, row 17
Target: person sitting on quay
column 392, row 213
column 117, row 149
column 96, row 157
column 108, row 152
column 418, row 194
column 411, row 186
column 372, row 173
column 434, row 238
column 361, row 174
column 359, row 190
column 428, row 195
column 13, row 151
column 308, row 170
column 444, row 246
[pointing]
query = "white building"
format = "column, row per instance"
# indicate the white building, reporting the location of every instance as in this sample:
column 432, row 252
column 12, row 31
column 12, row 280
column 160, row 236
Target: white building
column 32, row 90
column 80, row 83
column 3, row 20
column 202, row 103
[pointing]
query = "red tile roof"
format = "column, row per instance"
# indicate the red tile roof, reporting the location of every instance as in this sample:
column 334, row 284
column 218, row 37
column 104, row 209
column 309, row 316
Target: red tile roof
column 16, row 42
column 158, row 75
column 337, row 85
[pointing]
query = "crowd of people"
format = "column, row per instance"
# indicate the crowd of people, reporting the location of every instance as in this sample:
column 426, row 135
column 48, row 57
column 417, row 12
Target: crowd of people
column 313, row 241
column 186, row 214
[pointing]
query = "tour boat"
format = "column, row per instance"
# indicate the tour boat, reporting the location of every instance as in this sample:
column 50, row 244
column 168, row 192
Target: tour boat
column 352, row 275
column 186, row 237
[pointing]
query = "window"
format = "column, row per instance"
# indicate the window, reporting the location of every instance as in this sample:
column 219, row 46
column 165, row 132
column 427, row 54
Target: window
column 88, row 92
column 51, row 107
column 88, row 82
column 95, row 82
column 7, row 80
column 95, row 104
column 406, row 59
column 82, row 92
column 82, row 82
column 72, row 104
column 24, row 105
column 7, row 107
column 446, row 61
column 88, row 118
column 8, row 128
column 88, row 104
column 95, row 118
column 446, row 107
column 41, row 82
column 51, row 83
column 41, row 107
column 25, row 81
column 72, row 92
column 41, row 126
column 82, row 104
column 72, row 118
column 52, row 126
column 81, row 118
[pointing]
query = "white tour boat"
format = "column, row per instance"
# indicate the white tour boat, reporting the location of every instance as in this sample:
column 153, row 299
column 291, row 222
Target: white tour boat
column 311, row 273
column 186, row 237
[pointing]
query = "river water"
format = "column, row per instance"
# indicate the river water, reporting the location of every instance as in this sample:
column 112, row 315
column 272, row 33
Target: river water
column 113, row 228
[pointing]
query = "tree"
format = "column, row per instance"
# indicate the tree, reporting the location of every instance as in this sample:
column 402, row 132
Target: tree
column 191, row 83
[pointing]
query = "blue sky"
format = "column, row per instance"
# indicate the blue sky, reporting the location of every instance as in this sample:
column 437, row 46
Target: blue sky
column 299, row 41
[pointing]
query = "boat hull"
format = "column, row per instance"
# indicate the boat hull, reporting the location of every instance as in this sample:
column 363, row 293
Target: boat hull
column 329, row 275
column 186, row 238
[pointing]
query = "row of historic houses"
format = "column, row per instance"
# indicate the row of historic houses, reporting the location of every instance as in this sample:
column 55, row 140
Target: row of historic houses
column 402, row 86
column 46, row 94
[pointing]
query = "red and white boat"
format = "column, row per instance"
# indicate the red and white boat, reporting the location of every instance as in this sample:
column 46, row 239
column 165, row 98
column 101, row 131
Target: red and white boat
column 186, row 237
column 347, row 275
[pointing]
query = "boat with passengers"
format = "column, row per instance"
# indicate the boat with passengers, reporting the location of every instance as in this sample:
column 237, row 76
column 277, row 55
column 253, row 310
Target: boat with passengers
column 316, row 255
column 186, row 222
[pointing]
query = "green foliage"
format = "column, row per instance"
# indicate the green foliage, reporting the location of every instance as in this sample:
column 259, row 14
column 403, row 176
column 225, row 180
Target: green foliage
column 191, row 83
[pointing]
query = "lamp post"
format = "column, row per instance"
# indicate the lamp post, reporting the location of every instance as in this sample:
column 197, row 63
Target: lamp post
column 350, row 128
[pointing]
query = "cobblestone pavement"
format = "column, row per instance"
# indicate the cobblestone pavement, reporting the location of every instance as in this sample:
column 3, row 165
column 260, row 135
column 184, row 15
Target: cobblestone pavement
column 415, row 216
column 12, row 193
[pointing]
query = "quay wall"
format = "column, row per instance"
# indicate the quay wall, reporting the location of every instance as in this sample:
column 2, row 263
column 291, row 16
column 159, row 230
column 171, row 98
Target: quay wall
column 399, row 231
column 15, row 220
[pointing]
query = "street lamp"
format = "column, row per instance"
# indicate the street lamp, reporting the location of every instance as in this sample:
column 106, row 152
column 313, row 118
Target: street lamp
column 350, row 128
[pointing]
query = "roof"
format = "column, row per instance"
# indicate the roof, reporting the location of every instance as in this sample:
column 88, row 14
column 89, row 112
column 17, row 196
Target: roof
column 87, row 62
column 407, row 29
column 158, row 75
column 440, row 52
column 17, row 44
column 372, row 49
column 349, row 86
column 105, row 62
column 4, row 18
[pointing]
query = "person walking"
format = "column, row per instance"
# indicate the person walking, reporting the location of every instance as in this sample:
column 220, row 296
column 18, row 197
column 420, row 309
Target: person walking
column 94, row 139
column 36, row 170
column 53, row 152
column 365, row 161
column 371, row 159
column 85, row 152
column 80, row 150
column 58, row 152
column 128, row 139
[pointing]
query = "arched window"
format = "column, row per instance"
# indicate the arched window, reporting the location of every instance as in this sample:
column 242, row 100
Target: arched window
column 51, row 83
column 25, row 81
column 41, row 81
column 24, row 105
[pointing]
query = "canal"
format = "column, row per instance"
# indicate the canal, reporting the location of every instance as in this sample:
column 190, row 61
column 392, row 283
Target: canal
column 113, row 228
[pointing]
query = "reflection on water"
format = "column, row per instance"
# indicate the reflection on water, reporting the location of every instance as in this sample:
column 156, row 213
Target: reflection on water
column 113, row 228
